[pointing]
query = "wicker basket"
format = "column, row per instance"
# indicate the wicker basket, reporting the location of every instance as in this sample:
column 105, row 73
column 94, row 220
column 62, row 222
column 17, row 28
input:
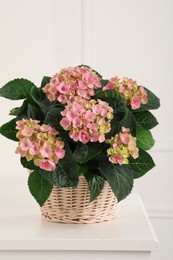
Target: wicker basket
column 71, row 205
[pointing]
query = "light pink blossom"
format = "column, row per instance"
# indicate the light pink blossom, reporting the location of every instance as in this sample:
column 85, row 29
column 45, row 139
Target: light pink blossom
column 87, row 120
column 116, row 159
column 65, row 123
column 71, row 82
column 83, row 136
column 135, row 102
column 46, row 151
column 134, row 95
column 39, row 143
column 60, row 153
column 47, row 165
column 122, row 146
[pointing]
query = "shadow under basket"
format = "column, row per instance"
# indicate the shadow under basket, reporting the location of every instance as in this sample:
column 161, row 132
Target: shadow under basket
column 71, row 205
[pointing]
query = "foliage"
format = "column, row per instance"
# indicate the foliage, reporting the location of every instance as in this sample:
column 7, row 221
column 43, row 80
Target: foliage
column 95, row 160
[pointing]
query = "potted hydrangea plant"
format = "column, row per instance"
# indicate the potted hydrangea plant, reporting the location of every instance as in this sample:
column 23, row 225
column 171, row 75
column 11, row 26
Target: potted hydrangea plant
column 84, row 140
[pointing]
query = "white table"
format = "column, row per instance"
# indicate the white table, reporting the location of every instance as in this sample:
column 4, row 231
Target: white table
column 24, row 235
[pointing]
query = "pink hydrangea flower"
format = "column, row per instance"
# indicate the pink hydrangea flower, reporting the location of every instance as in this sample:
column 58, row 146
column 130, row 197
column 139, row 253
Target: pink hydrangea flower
column 122, row 146
column 39, row 143
column 87, row 120
column 47, row 165
column 71, row 82
column 135, row 95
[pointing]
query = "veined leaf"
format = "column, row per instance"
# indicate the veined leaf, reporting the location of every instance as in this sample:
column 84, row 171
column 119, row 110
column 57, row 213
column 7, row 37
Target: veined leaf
column 104, row 82
column 45, row 81
column 142, row 164
column 153, row 102
column 53, row 117
column 19, row 110
column 34, row 113
column 119, row 177
column 85, row 152
column 28, row 164
column 145, row 119
column 17, row 89
column 9, row 130
column 95, row 183
column 144, row 138
column 39, row 187
column 129, row 122
column 113, row 97
column 42, row 101
column 66, row 173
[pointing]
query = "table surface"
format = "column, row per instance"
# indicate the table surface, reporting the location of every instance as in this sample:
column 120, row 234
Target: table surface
column 21, row 226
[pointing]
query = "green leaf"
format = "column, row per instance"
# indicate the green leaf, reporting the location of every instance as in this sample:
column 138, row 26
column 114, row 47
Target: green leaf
column 19, row 110
column 39, row 187
column 28, row 164
column 104, row 82
column 115, row 125
column 66, row 173
column 95, row 183
column 83, row 168
column 42, row 101
column 144, row 138
column 113, row 97
column 129, row 122
column 85, row 152
column 142, row 164
column 34, row 113
column 53, row 117
column 17, row 89
column 45, row 81
column 153, row 102
column 27, row 111
column 9, row 130
column 145, row 119
column 119, row 177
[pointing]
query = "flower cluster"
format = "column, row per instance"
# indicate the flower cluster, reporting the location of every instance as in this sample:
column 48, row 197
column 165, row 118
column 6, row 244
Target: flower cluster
column 87, row 120
column 39, row 143
column 87, row 112
column 123, row 145
column 71, row 82
column 135, row 95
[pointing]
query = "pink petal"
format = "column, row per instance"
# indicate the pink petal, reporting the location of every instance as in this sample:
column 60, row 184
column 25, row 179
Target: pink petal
column 47, row 165
column 25, row 144
column 101, row 138
column 83, row 136
column 94, row 137
column 116, row 159
column 125, row 138
column 45, row 128
column 34, row 149
column 20, row 124
column 65, row 123
column 135, row 102
column 62, row 99
column 97, row 109
column 27, row 131
column 89, row 115
column 74, row 135
column 125, row 130
column 60, row 153
column 46, row 151
column 63, row 88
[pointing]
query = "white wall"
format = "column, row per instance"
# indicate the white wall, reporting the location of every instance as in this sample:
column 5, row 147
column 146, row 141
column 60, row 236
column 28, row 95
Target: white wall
column 127, row 38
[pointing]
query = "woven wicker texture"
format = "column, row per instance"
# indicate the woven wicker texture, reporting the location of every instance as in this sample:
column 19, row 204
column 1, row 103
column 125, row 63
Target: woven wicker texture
column 71, row 205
